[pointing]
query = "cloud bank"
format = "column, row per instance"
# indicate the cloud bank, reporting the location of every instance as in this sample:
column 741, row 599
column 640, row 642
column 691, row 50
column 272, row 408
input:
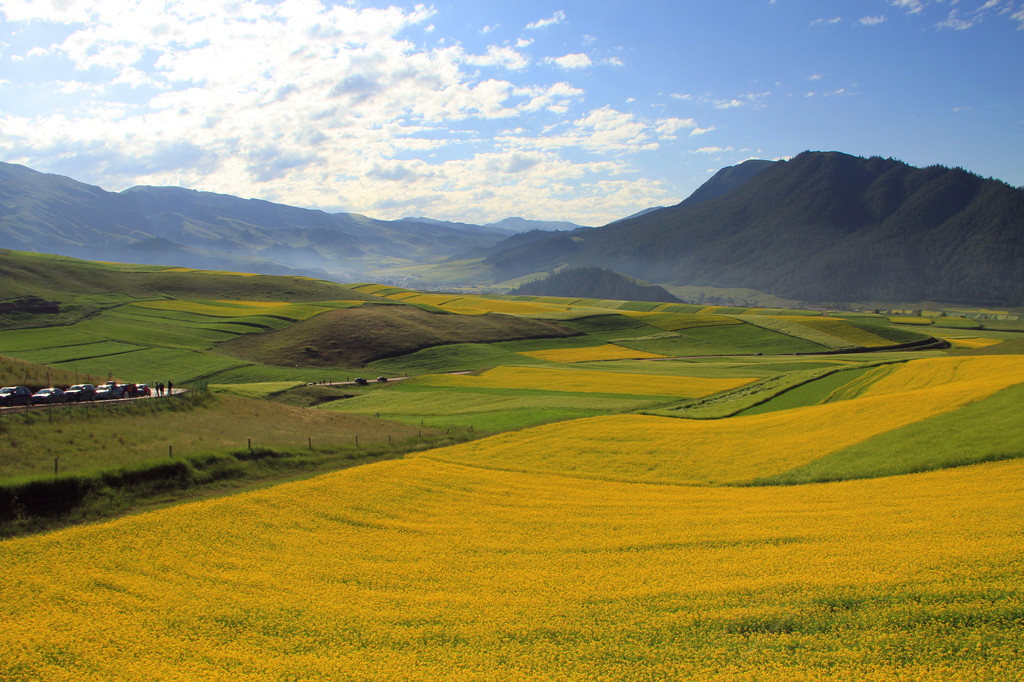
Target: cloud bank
column 339, row 107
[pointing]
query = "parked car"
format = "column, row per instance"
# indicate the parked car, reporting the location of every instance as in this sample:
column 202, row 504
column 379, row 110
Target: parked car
column 382, row 379
column 15, row 395
column 80, row 392
column 361, row 381
column 48, row 396
column 142, row 390
column 109, row 391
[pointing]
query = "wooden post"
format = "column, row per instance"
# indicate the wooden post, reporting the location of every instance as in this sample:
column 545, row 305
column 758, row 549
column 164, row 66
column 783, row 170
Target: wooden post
column 170, row 450
column 250, row 445
column 55, row 460
column 311, row 442
column 357, row 440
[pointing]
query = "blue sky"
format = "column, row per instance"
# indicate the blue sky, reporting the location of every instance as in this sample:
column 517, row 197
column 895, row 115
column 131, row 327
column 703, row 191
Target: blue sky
column 580, row 110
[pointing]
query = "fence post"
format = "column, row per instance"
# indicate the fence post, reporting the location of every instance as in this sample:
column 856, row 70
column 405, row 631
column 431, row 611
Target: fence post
column 55, row 460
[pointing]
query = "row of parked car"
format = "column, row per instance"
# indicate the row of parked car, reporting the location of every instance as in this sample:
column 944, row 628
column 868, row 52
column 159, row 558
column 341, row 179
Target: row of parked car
column 19, row 395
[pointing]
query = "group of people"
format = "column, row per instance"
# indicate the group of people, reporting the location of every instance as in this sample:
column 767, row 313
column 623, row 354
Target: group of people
column 162, row 390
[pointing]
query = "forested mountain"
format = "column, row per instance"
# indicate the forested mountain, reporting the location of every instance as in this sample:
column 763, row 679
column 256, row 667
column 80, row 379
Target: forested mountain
column 595, row 283
column 171, row 225
column 821, row 227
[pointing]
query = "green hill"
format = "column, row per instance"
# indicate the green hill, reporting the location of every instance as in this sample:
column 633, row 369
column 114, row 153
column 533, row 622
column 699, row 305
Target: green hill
column 353, row 337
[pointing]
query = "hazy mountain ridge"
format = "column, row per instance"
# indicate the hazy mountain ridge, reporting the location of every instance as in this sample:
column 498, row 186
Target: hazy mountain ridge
column 172, row 225
column 822, row 226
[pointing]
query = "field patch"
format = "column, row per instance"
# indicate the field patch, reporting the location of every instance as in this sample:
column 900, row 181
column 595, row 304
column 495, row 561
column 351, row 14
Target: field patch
column 970, row 341
column 355, row 336
column 609, row 351
column 737, row 339
column 150, row 365
column 582, row 381
column 829, row 332
column 288, row 311
column 674, row 322
column 483, row 409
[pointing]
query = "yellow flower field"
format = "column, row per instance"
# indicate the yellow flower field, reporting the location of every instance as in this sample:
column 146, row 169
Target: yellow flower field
column 419, row 570
column 579, row 381
column 964, row 372
column 609, row 351
column 970, row 342
column 668, row 450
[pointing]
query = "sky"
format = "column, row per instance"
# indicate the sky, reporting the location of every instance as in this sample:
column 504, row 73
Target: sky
column 476, row 110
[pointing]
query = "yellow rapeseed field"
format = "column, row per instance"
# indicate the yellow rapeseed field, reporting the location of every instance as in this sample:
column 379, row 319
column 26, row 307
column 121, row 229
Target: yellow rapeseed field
column 681, row 451
column 420, row 570
column 970, row 342
column 608, row 351
column 581, row 381
column 962, row 372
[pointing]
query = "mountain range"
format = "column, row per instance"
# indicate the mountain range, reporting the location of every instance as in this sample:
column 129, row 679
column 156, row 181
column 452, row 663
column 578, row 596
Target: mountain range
column 822, row 227
column 171, row 225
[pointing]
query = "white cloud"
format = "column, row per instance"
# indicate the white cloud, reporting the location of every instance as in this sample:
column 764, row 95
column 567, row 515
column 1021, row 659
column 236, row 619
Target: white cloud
column 614, row 61
column 872, row 21
column 911, row 6
column 954, row 22
column 570, row 61
column 489, row 29
column 323, row 105
column 500, row 56
column 701, row 131
column 826, row 22
column 556, row 18
column 712, row 150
